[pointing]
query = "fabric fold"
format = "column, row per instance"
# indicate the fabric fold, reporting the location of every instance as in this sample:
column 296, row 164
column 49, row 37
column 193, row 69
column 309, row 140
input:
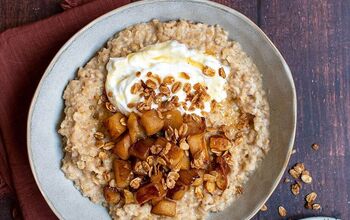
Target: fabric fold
column 25, row 52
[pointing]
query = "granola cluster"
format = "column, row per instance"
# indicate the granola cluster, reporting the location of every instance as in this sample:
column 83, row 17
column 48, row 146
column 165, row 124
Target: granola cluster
column 163, row 93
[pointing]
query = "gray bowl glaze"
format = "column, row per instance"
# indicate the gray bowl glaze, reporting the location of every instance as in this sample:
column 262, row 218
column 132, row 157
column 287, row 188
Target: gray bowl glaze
column 44, row 143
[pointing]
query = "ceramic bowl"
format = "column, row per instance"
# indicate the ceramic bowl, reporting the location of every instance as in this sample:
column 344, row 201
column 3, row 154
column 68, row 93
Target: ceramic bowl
column 44, row 143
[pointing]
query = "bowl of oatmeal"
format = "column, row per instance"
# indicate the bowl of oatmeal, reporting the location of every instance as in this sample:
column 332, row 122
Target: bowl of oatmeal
column 186, row 110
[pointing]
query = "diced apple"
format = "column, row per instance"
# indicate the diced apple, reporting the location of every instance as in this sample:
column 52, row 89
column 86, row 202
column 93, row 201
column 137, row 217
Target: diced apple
column 177, row 192
column 219, row 143
column 221, row 181
column 111, row 195
column 122, row 173
column 194, row 127
column 196, row 142
column 121, row 149
column 187, row 177
column 114, row 125
column 221, row 166
column 161, row 142
column 185, row 163
column 174, row 156
column 165, row 207
column 147, row 192
column 151, row 122
column 173, row 118
column 162, row 194
column 141, row 148
column 156, row 178
column 136, row 130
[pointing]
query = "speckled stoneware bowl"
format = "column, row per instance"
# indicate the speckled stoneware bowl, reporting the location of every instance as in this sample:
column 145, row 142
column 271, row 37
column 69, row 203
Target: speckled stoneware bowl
column 44, row 143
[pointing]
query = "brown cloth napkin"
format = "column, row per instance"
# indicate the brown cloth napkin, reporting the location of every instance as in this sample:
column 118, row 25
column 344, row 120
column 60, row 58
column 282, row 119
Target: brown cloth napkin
column 25, row 52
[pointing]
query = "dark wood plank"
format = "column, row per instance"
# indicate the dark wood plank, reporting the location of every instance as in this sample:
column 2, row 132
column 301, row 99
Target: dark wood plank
column 247, row 7
column 314, row 38
column 19, row 12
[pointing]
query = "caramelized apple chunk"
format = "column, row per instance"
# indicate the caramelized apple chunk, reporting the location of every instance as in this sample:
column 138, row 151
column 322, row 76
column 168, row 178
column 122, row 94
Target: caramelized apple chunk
column 199, row 150
column 219, row 143
column 177, row 192
column 116, row 125
column 174, row 156
column 121, row 149
column 122, row 173
column 136, row 131
column 151, row 122
column 221, row 181
column 165, row 207
column 221, row 166
column 147, row 192
column 197, row 143
column 194, row 126
column 185, row 163
column 161, row 141
column 141, row 148
column 173, row 118
column 187, row 177
column 111, row 195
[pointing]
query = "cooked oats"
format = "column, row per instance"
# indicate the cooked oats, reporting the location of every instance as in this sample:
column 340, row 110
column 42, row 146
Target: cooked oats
column 81, row 122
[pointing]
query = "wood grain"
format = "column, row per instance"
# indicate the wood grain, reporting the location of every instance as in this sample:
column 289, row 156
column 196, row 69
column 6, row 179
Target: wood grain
column 314, row 38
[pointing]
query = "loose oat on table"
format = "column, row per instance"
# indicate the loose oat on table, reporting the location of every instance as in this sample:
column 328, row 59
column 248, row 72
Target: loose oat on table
column 315, row 146
column 282, row 211
column 243, row 118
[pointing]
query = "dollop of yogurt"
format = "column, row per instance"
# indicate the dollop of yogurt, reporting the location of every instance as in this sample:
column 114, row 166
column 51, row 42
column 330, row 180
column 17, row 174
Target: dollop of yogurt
column 169, row 58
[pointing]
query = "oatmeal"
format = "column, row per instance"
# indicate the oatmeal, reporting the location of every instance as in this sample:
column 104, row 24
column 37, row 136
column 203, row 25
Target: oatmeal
column 169, row 120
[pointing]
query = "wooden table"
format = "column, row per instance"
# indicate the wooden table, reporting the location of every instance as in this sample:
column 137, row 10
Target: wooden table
column 314, row 38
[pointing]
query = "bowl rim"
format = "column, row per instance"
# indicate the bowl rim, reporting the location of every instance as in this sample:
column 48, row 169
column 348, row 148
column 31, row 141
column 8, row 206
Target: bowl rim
column 130, row 5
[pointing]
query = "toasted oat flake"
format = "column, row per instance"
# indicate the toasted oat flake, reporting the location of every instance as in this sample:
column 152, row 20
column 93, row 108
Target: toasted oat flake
column 311, row 197
column 99, row 143
column 131, row 105
column 99, row 135
column 263, row 208
column 210, row 186
column 287, row 180
column 222, row 72
column 108, row 145
column 282, row 211
column 184, row 75
column 239, row 190
column 187, row 87
column 305, row 177
column 110, row 107
column 168, row 80
column 315, row 146
column 316, row 206
column 156, row 149
column 299, row 167
column 184, row 146
column 151, row 84
column 295, row 188
column 294, row 174
column 123, row 121
column 171, row 179
column 198, row 192
column 135, row 183
column 208, row 71
column 209, row 178
column 176, row 87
